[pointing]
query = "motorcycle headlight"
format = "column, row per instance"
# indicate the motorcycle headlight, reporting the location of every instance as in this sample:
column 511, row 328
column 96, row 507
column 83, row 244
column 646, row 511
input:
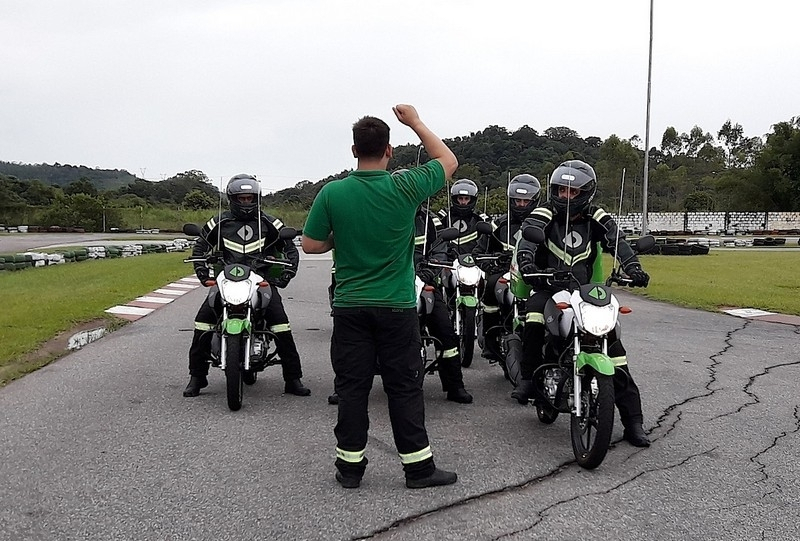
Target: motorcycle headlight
column 470, row 276
column 235, row 292
column 598, row 320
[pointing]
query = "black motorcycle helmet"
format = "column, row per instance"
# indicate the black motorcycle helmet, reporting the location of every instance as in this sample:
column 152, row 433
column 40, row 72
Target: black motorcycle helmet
column 462, row 187
column 525, row 187
column 573, row 174
column 243, row 185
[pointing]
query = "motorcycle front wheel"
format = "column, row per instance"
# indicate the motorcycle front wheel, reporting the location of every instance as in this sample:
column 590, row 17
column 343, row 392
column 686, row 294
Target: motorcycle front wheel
column 591, row 433
column 466, row 335
column 234, row 369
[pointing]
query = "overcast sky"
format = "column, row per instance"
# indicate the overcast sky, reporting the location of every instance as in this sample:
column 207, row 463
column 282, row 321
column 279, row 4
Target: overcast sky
column 272, row 87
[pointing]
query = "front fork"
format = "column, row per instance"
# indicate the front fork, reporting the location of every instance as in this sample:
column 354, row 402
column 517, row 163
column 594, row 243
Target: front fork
column 237, row 325
column 577, row 375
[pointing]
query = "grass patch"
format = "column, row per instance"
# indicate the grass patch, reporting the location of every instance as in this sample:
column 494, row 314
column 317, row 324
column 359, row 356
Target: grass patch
column 737, row 278
column 41, row 303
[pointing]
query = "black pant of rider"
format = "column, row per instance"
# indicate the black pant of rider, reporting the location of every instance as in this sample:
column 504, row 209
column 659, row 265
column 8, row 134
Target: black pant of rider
column 440, row 327
column 626, row 392
column 275, row 317
column 491, row 315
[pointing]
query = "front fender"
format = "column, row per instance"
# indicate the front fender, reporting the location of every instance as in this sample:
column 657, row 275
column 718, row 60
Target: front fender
column 236, row 326
column 468, row 300
column 600, row 362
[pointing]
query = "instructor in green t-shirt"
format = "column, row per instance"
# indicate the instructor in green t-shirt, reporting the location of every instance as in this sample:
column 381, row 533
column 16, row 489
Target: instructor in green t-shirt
column 369, row 217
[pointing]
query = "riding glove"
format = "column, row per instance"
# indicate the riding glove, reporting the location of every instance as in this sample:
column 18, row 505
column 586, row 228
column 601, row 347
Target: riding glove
column 638, row 277
column 426, row 274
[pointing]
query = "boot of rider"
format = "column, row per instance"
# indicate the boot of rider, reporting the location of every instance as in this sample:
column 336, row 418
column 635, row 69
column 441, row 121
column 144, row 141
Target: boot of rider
column 490, row 319
column 199, row 353
column 290, row 364
column 629, row 403
column 532, row 358
column 453, row 379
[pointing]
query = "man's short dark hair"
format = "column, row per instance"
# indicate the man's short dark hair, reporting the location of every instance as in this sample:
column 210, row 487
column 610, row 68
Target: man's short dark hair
column 370, row 137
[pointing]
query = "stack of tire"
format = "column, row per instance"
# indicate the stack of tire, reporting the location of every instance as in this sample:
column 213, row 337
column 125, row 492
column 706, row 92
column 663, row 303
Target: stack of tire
column 13, row 262
column 113, row 252
column 770, row 241
column 672, row 246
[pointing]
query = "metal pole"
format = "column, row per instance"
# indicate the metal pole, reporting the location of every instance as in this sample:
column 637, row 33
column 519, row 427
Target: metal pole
column 647, row 128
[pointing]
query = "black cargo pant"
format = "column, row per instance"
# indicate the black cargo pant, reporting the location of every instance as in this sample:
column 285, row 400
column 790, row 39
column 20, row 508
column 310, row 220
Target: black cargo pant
column 277, row 321
column 491, row 315
column 365, row 341
column 440, row 326
column 626, row 392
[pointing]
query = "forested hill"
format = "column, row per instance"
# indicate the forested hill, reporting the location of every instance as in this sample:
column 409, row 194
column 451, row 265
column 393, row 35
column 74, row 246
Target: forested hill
column 63, row 175
column 487, row 157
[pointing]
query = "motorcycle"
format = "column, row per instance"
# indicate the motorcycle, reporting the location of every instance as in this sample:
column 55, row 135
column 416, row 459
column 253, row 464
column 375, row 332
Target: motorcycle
column 463, row 278
column 425, row 302
column 241, row 346
column 504, row 341
column 576, row 377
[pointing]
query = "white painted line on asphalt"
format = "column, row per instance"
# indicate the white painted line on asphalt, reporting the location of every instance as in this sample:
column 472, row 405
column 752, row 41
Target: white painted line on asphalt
column 129, row 310
column 190, row 279
column 155, row 300
column 175, row 292
column 748, row 312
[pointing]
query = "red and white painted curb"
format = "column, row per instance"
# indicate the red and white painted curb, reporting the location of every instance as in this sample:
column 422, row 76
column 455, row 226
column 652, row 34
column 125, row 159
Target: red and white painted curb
column 146, row 304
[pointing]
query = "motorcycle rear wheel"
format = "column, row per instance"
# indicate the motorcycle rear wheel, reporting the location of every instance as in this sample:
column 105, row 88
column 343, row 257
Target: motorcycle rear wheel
column 467, row 335
column 234, row 369
column 591, row 433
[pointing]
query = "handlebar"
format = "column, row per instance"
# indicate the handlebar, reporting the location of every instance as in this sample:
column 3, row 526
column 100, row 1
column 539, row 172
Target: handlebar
column 215, row 258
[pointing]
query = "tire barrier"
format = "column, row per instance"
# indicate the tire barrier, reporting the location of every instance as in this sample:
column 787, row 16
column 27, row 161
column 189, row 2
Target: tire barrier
column 20, row 261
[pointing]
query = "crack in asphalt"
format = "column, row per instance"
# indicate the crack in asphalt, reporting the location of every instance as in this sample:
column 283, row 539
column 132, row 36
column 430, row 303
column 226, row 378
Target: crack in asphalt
column 541, row 514
column 465, row 501
column 661, row 423
column 762, row 467
column 712, row 372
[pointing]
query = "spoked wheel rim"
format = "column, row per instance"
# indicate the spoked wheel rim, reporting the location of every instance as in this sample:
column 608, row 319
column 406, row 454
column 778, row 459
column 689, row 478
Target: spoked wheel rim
column 591, row 433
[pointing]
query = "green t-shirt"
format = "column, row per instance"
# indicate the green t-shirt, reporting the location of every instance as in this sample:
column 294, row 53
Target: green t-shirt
column 371, row 216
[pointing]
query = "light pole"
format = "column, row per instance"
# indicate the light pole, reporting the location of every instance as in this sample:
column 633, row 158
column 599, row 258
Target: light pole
column 647, row 128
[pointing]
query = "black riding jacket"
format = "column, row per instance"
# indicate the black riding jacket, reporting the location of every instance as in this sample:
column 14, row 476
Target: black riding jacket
column 577, row 246
column 238, row 241
column 468, row 234
column 498, row 242
column 433, row 250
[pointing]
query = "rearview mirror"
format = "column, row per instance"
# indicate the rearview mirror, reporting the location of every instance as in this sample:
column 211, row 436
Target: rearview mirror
column 533, row 234
column 191, row 230
column 483, row 228
column 287, row 233
column 643, row 244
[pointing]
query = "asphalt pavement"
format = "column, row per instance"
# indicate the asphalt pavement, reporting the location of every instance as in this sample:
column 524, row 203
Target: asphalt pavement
column 102, row 445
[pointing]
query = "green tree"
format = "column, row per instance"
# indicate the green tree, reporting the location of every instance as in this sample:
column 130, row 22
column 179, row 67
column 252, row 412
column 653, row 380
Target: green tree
column 778, row 166
column 197, row 200
column 82, row 185
column 698, row 202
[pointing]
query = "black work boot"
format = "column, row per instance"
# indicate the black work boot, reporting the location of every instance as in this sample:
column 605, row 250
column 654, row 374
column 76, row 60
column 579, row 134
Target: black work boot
column 523, row 391
column 195, row 384
column 296, row 387
column 348, row 482
column 436, row 479
column 459, row 395
column 635, row 435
